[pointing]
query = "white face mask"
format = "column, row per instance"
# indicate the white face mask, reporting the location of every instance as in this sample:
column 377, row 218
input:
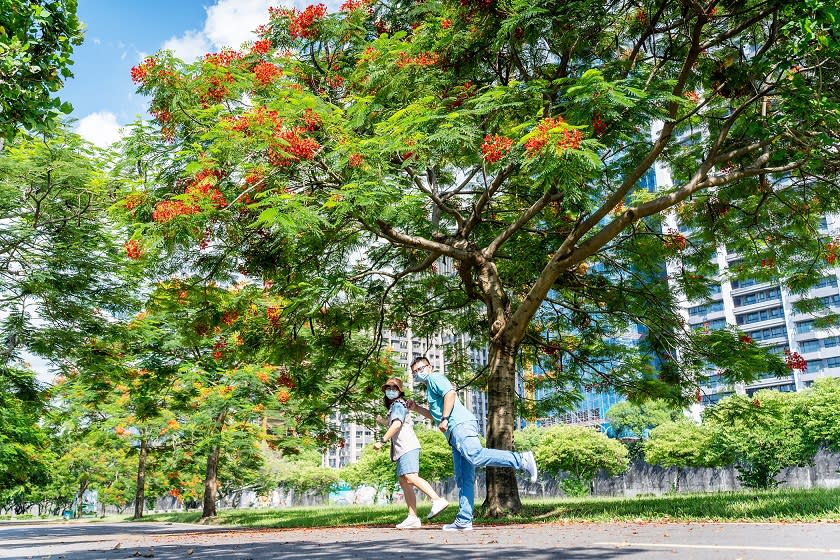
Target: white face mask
column 392, row 394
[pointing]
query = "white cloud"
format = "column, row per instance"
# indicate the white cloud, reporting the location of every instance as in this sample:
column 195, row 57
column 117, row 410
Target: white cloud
column 230, row 23
column 189, row 46
column 100, row 128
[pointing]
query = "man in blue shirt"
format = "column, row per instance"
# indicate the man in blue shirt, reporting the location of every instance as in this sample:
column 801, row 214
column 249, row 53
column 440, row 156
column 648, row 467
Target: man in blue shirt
column 461, row 430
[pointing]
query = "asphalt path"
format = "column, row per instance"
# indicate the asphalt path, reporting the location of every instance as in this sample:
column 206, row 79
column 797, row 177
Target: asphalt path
column 631, row 541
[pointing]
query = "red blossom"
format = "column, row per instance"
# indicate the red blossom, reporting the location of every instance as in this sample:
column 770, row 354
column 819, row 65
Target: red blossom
column 294, row 147
column 692, row 96
column 423, row 59
column 535, row 144
column 675, row 241
column 355, row 160
column 745, row 338
column 831, row 251
column 571, row 140
column 311, row 120
column 169, row 209
column 162, row 115
column 598, row 125
column 283, row 396
column 266, row 72
column 352, row 5
column 495, row 147
column 794, row 361
column 133, row 200
column 262, row 46
column 133, row 249
column 222, row 58
column 301, row 23
column 140, row 72
column 446, row 24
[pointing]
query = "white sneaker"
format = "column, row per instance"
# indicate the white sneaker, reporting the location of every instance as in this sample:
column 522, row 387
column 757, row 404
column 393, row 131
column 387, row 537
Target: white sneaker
column 410, row 522
column 458, row 527
column 529, row 465
column 437, row 506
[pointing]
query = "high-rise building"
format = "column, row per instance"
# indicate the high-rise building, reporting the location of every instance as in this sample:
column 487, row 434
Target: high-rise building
column 764, row 311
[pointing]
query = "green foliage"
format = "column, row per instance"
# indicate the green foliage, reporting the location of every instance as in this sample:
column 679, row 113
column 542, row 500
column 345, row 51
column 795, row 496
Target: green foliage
column 36, row 42
column 301, row 473
column 373, row 468
column 24, row 453
column 759, row 435
column 679, row 443
column 435, row 455
column 818, row 413
column 580, row 453
column 627, row 419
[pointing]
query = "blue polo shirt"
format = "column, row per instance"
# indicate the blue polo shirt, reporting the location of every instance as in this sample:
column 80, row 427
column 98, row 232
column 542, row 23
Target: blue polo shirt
column 437, row 386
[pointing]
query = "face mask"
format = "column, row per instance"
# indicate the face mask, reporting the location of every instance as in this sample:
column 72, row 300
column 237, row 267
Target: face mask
column 392, row 394
column 422, row 375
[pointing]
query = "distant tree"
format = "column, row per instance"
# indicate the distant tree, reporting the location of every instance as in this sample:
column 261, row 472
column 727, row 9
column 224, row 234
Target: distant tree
column 36, row 42
column 373, row 468
column 759, row 435
column 629, row 419
column 579, row 452
column 435, row 455
column 818, row 413
column 679, row 443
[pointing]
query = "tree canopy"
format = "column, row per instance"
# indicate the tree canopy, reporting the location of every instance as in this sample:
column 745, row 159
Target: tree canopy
column 488, row 167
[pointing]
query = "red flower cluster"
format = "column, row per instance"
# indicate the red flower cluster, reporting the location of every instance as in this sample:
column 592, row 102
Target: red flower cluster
column 229, row 317
column 294, row 147
column 598, row 125
column 133, row 250
column 675, row 241
column 768, row 263
column 423, row 59
column 140, row 72
column 446, row 24
column 311, row 120
column 794, row 361
column 355, row 160
column 218, row 348
column 283, row 396
column 262, row 46
column 495, row 147
column 831, row 251
column 692, row 96
column 273, row 315
column 641, row 16
column 745, row 338
column 170, row 209
column 334, row 81
column 571, row 140
column 133, row 200
column 223, row 58
column 216, row 91
column 254, row 177
column 162, row 115
column 266, row 72
column 352, row 5
column 301, row 23
column 534, row 145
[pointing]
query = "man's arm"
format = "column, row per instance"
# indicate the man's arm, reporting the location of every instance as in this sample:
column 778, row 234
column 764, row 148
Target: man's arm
column 448, row 405
column 413, row 406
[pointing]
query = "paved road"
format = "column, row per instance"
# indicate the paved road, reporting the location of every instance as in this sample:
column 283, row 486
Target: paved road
column 630, row 541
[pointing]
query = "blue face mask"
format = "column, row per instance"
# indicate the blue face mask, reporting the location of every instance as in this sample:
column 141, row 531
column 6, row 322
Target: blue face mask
column 422, row 375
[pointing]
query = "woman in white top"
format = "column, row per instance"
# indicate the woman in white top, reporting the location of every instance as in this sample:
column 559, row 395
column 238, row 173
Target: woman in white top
column 405, row 451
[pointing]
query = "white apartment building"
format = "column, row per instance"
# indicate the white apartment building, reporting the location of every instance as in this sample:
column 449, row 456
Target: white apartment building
column 763, row 310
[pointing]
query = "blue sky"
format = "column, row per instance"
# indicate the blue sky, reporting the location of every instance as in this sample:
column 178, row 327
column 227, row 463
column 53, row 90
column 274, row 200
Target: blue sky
column 120, row 33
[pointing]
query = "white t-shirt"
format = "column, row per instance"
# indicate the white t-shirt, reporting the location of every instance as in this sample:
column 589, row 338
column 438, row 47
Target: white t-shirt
column 405, row 439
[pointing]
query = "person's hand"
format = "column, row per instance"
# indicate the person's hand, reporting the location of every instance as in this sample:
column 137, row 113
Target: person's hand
column 377, row 445
column 444, row 424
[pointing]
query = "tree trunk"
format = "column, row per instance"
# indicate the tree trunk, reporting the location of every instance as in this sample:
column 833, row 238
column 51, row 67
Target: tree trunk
column 502, row 488
column 211, row 484
column 140, row 491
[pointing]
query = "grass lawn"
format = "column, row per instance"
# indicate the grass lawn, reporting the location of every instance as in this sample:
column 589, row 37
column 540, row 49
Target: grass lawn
column 766, row 506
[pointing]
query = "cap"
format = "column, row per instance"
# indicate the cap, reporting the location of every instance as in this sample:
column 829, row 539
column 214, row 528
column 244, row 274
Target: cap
column 393, row 381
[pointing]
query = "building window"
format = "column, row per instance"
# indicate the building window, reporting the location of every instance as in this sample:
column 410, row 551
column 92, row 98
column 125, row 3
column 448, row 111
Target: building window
column 809, row 345
column 823, row 223
column 736, row 284
column 763, row 315
column 814, row 365
column 804, row 327
column 757, row 297
column 827, row 281
column 831, row 341
column 832, row 362
column 768, row 333
column 706, row 309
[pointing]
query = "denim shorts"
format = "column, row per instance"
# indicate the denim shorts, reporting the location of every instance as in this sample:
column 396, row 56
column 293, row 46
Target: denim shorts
column 409, row 462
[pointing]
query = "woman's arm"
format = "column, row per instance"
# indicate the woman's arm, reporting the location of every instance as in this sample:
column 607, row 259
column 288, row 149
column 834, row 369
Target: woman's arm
column 392, row 430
